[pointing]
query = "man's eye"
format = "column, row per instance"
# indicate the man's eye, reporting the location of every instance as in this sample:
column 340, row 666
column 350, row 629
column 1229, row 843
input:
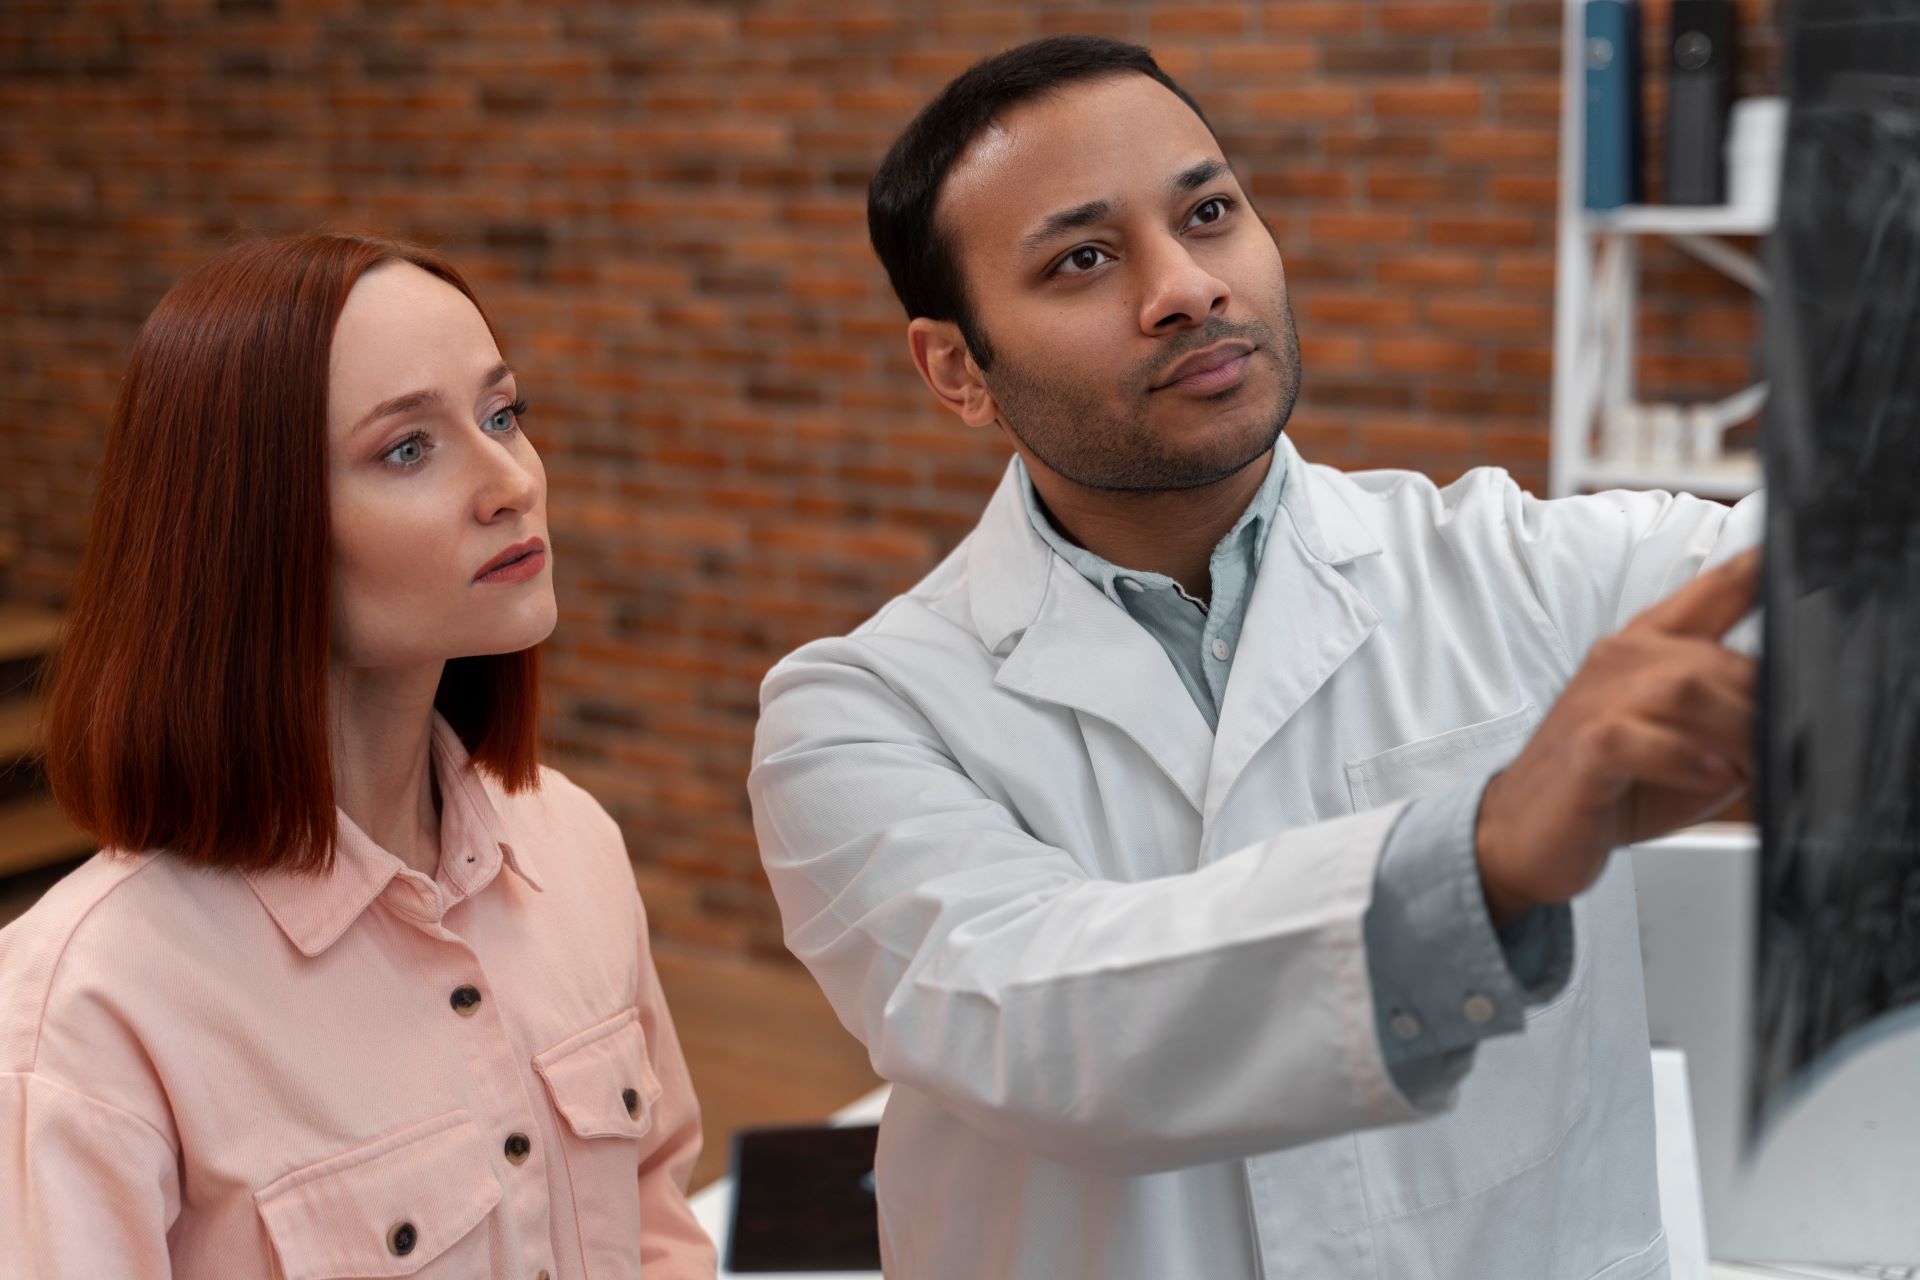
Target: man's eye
column 1211, row 210
column 1083, row 259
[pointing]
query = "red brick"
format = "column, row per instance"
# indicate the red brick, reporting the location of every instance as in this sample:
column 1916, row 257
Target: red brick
column 1372, row 309
column 1296, row 184
column 1260, row 60
column 1429, row 99
column 1360, row 228
column 1304, row 18
column 1425, row 355
column 1490, row 315
column 1504, row 146
column 1487, row 229
column 1442, row 270
column 1312, row 102
column 1398, row 187
column 1537, row 189
column 1197, row 19
column 1437, row 19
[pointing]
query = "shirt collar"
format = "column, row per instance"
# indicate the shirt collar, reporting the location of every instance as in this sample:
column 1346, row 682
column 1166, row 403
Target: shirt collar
column 314, row 910
column 1257, row 518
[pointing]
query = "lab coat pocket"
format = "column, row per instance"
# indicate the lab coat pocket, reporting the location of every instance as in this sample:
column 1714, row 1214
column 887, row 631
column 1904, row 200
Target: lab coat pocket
column 603, row 1085
column 1526, row 1090
column 1433, row 764
column 406, row 1204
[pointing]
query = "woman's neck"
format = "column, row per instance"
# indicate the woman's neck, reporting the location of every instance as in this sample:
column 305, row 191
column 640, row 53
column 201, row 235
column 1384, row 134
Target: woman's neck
column 382, row 735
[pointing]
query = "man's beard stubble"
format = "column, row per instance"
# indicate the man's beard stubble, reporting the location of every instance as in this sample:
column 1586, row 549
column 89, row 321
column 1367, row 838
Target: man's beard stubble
column 1068, row 426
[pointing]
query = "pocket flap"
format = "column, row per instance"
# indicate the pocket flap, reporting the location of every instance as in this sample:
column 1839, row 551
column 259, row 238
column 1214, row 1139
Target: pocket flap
column 339, row 1217
column 1432, row 764
column 593, row 1076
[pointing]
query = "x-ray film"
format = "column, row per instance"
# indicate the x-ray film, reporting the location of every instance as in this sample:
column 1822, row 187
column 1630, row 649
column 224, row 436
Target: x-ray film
column 1839, row 931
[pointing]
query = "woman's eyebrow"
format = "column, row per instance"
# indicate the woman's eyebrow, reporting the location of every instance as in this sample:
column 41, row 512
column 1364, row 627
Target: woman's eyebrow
column 413, row 401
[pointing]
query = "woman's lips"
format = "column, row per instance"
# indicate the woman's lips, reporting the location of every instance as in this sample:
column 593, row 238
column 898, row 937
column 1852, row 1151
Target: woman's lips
column 515, row 564
column 517, row 570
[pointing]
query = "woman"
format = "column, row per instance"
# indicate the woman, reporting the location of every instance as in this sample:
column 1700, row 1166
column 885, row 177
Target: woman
column 358, row 988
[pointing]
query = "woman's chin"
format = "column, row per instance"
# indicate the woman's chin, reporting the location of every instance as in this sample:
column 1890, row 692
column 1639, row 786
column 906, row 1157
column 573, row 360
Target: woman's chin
column 521, row 628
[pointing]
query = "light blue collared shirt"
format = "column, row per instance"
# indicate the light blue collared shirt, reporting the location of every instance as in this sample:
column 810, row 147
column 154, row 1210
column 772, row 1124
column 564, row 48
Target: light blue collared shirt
column 1443, row 977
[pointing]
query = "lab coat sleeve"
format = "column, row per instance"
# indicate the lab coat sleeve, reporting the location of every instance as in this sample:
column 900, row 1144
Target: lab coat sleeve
column 1125, row 1028
column 1597, row 560
column 86, row 1189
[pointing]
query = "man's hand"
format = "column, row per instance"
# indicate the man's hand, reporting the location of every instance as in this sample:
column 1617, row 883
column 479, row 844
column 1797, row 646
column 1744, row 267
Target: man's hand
column 1655, row 731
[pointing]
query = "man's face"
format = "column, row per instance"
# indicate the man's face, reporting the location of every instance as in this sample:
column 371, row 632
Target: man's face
column 1135, row 305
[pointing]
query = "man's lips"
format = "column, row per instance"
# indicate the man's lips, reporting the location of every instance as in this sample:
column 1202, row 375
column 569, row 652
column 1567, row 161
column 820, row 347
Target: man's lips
column 1217, row 366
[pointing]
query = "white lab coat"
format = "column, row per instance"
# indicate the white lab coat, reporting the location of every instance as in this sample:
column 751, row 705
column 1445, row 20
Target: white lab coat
column 1113, row 963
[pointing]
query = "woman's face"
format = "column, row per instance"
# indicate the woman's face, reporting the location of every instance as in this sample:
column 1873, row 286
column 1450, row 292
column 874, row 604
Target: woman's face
column 438, row 502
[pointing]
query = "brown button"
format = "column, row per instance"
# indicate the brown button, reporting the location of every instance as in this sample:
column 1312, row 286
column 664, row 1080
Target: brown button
column 465, row 1000
column 544, row 1275
column 517, row 1148
column 632, row 1099
column 401, row 1237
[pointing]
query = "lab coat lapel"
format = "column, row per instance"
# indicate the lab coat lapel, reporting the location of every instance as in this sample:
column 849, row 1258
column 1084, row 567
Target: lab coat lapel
column 1067, row 644
column 1304, row 619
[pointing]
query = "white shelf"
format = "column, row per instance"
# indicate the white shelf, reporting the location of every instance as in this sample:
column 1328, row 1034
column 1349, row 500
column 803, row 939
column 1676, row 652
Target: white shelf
column 1733, row 477
column 1598, row 257
column 1680, row 220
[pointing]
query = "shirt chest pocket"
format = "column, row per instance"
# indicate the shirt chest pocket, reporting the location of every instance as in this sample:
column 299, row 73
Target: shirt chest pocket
column 1434, row 764
column 603, row 1087
column 408, row 1204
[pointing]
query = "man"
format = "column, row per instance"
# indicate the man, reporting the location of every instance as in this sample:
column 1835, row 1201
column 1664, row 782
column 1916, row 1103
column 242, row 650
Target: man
column 1149, row 845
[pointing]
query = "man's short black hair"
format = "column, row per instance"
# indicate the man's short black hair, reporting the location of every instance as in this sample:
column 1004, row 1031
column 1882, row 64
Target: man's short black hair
column 917, row 254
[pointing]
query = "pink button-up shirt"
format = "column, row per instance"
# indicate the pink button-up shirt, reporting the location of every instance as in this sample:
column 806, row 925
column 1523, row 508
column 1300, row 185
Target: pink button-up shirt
column 373, row 1073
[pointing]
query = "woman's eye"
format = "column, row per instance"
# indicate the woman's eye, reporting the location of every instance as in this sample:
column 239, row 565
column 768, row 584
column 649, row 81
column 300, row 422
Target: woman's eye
column 506, row 418
column 408, row 452
column 1211, row 211
column 1083, row 259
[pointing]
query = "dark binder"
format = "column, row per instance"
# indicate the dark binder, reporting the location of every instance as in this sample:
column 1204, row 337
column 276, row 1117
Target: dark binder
column 1700, row 68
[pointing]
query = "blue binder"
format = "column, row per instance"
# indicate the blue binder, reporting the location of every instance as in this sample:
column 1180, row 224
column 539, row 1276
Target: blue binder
column 1614, row 135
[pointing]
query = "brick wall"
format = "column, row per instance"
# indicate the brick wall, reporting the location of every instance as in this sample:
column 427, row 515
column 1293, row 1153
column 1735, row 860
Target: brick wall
column 661, row 205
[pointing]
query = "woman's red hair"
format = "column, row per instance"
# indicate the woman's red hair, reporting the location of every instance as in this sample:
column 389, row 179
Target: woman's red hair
column 189, row 703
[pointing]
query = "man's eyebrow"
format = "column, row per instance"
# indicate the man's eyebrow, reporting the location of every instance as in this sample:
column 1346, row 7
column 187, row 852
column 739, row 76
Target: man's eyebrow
column 414, row 401
column 1056, row 224
column 1198, row 175
column 1085, row 215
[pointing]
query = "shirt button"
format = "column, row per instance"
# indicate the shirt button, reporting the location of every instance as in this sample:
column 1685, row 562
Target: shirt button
column 1220, row 650
column 517, row 1148
column 544, row 1275
column 401, row 1237
column 1477, row 1008
column 632, row 1099
column 465, row 1000
column 1404, row 1026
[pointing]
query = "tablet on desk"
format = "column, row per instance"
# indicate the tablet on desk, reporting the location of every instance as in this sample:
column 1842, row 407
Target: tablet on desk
column 803, row 1200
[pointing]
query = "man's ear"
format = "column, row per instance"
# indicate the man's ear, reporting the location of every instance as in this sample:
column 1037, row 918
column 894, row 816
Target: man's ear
column 946, row 366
